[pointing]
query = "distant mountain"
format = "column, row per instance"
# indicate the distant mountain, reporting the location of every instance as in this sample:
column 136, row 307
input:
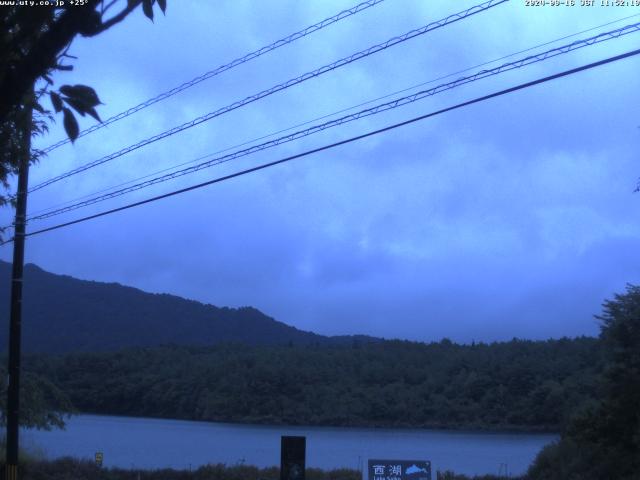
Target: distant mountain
column 63, row 314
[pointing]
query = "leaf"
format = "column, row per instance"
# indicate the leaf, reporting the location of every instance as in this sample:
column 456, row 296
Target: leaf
column 81, row 93
column 70, row 125
column 147, row 8
column 37, row 107
column 56, row 101
column 67, row 90
column 82, row 99
column 48, row 79
column 94, row 114
column 66, row 68
column 77, row 105
column 163, row 5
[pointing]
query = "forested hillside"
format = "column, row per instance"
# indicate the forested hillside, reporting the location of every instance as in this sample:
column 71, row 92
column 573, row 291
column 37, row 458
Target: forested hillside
column 514, row 385
column 63, row 314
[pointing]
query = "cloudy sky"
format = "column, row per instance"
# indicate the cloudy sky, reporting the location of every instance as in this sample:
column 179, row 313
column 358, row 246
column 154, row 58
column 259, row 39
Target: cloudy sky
column 511, row 218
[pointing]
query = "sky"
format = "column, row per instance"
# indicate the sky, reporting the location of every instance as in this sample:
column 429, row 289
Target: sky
column 514, row 217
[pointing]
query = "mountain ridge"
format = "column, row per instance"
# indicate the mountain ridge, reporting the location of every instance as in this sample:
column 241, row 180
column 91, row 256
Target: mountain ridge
column 64, row 314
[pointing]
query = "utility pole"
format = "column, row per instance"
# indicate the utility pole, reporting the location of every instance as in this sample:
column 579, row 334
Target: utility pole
column 15, row 318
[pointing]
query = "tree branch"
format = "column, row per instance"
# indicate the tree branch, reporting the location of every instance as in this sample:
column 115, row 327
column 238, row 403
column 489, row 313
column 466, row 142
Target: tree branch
column 43, row 55
column 106, row 9
column 132, row 5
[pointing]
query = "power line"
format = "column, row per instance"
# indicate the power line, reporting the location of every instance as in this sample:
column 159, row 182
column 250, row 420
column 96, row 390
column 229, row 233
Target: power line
column 223, row 68
column 342, row 142
column 282, row 86
column 352, row 117
column 327, row 68
column 322, row 117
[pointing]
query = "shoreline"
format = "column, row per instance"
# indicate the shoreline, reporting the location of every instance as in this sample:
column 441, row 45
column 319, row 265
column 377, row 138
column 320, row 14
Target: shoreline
column 515, row 430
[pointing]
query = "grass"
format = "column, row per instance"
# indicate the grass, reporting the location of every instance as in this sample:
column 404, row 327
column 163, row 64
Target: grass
column 27, row 455
column 68, row 468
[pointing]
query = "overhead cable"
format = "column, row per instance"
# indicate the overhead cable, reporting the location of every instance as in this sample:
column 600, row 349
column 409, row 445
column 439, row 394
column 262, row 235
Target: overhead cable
column 349, row 118
column 339, row 143
column 282, row 86
column 328, row 115
column 223, row 68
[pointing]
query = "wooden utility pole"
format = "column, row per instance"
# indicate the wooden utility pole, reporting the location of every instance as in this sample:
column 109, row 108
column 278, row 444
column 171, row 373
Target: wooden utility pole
column 15, row 319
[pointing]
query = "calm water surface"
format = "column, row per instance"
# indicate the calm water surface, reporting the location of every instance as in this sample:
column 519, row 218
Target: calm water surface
column 154, row 443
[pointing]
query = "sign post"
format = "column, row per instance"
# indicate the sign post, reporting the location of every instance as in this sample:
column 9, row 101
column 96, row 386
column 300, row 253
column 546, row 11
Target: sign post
column 292, row 458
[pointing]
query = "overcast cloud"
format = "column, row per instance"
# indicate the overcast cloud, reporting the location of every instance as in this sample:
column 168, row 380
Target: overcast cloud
column 514, row 217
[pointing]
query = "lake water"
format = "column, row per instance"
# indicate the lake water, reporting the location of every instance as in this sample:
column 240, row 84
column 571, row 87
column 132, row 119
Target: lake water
column 155, row 443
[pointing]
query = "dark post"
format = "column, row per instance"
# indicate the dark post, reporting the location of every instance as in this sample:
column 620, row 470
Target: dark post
column 292, row 458
column 15, row 318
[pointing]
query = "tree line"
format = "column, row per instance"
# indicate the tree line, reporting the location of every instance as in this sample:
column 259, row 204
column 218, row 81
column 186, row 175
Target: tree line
column 528, row 385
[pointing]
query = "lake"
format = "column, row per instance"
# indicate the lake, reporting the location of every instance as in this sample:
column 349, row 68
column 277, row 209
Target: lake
column 156, row 443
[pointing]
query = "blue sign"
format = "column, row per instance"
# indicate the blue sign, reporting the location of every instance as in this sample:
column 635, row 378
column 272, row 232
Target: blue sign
column 399, row 470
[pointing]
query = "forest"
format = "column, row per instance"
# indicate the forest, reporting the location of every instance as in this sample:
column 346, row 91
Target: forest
column 516, row 385
column 586, row 389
